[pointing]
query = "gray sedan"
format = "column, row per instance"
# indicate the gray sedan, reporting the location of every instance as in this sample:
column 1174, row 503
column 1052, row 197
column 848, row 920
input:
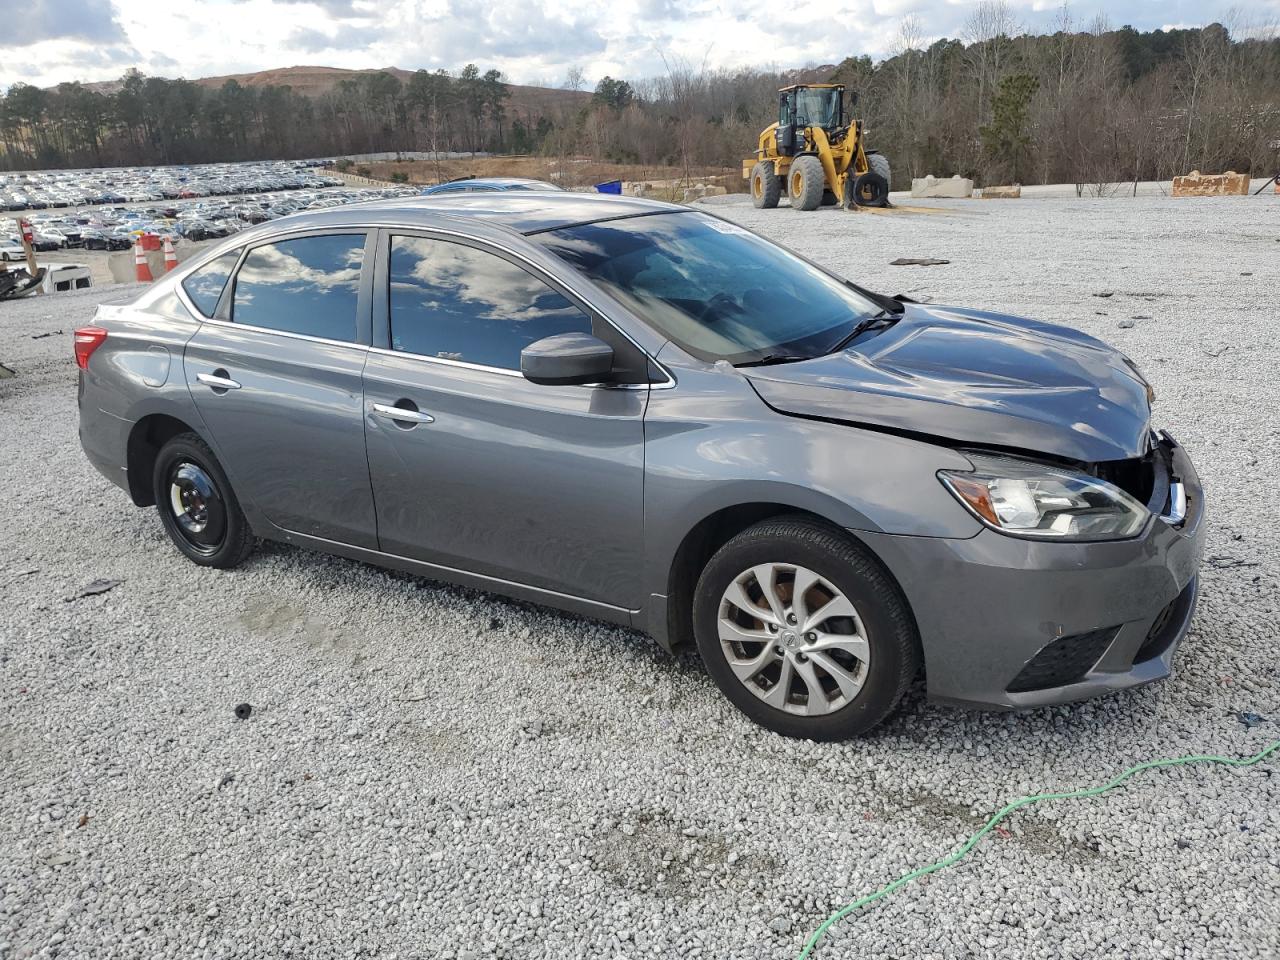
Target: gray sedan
column 643, row 413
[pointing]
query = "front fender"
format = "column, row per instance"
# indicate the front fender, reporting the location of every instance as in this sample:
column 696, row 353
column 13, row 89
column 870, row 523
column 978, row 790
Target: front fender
column 712, row 443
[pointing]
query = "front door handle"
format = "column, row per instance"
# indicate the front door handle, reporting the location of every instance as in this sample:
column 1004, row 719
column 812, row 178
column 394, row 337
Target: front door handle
column 218, row 380
column 402, row 414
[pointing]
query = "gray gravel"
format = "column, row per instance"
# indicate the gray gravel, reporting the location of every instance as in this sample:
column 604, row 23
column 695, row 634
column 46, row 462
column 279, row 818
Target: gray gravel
column 430, row 772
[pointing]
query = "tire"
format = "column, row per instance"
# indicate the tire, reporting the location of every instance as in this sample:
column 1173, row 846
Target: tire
column 829, row 199
column 881, row 627
column 806, row 182
column 211, row 529
column 879, row 165
column 870, row 190
column 765, row 186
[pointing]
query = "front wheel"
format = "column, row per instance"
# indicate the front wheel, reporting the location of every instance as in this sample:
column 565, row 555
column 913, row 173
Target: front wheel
column 196, row 505
column 804, row 631
column 807, row 182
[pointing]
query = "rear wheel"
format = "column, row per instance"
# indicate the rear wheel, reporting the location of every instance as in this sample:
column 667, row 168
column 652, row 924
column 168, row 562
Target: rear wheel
column 806, row 182
column 196, row 505
column 803, row 631
column 765, row 190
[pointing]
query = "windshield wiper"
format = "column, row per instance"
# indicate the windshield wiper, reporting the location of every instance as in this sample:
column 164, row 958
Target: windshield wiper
column 771, row 358
column 886, row 316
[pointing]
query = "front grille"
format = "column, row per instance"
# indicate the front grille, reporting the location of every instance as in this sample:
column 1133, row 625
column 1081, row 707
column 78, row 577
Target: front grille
column 1063, row 661
column 1164, row 630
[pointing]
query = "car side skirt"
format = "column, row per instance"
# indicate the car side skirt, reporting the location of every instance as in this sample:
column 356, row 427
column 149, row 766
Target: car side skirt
column 433, row 571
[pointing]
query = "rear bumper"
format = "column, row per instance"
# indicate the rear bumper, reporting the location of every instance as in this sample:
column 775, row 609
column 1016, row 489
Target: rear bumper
column 1013, row 624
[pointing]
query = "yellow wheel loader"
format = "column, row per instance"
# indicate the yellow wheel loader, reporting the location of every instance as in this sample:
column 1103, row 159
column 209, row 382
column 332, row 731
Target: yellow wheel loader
column 814, row 156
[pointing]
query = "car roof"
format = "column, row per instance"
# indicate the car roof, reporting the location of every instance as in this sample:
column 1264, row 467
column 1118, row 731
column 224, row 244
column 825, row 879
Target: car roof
column 521, row 211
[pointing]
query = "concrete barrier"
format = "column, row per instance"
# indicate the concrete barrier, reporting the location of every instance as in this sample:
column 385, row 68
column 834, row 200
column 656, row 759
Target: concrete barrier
column 122, row 266
column 953, row 188
column 1197, row 184
column 675, row 189
column 1011, row 192
column 355, row 180
column 703, row 190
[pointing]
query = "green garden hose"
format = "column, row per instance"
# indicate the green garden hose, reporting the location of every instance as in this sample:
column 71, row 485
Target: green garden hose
column 1004, row 812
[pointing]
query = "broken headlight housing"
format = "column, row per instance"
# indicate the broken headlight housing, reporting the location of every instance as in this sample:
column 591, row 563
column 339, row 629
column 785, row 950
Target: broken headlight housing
column 1027, row 499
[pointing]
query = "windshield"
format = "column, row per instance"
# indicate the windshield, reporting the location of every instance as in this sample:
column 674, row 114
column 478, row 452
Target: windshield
column 717, row 290
column 817, row 107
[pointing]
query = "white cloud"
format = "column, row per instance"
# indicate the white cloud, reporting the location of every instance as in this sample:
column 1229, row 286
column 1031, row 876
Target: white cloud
column 529, row 40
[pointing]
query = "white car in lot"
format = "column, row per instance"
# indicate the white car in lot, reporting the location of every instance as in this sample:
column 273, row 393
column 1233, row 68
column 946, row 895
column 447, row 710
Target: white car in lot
column 10, row 251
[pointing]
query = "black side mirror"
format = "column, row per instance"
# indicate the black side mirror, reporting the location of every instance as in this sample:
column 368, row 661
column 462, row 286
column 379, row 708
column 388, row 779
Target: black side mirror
column 567, row 358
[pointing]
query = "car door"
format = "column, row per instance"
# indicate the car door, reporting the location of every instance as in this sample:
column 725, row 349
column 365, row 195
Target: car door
column 475, row 468
column 275, row 372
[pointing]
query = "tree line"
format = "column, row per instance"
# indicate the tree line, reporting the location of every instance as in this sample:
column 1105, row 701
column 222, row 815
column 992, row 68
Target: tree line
column 153, row 120
column 1093, row 106
column 1089, row 105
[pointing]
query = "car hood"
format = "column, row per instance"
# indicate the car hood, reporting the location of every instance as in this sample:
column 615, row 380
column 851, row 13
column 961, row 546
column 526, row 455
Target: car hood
column 975, row 378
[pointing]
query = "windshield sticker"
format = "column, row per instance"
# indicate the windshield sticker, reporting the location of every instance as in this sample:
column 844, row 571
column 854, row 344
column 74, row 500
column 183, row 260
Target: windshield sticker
column 723, row 226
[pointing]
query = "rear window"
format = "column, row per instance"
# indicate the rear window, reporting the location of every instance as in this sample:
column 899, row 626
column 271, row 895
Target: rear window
column 308, row 285
column 205, row 285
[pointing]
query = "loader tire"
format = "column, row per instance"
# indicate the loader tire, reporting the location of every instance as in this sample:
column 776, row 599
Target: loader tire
column 879, row 164
column 805, row 183
column 829, row 199
column 765, row 186
column 870, row 190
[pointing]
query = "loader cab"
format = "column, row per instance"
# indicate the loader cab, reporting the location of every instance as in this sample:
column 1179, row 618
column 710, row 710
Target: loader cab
column 808, row 105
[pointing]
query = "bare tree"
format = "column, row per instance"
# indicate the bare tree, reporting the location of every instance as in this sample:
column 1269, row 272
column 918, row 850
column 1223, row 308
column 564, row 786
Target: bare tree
column 686, row 86
column 574, row 78
column 987, row 30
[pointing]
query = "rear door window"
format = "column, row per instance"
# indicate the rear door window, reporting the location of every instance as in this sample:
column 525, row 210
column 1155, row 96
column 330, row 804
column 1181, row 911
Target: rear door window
column 204, row 286
column 454, row 302
column 306, row 285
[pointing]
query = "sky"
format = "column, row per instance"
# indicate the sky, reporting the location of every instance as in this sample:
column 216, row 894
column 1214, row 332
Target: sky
column 45, row 42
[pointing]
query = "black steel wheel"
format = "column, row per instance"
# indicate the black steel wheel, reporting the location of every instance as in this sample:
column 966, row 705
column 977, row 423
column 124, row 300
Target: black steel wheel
column 196, row 505
column 199, row 511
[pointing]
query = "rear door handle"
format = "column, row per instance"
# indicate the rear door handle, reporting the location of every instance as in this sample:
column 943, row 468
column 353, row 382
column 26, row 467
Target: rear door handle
column 403, row 414
column 218, row 380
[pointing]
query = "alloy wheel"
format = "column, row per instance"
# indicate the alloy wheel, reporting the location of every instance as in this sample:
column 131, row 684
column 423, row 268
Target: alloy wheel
column 793, row 639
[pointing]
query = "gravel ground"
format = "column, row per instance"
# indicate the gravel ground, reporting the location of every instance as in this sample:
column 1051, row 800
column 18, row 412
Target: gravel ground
column 430, row 772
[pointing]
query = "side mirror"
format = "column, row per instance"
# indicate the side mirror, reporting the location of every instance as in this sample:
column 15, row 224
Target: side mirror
column 567, row 358
column 853, row 99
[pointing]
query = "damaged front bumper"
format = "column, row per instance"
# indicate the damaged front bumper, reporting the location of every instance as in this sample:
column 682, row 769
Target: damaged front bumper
column 1013, row 623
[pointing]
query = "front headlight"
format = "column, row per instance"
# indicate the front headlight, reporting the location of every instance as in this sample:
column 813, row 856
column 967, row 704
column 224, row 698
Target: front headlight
column 1026, row 499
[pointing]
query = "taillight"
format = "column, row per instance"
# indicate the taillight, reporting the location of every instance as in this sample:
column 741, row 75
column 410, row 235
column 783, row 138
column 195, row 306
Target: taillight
column 88, row 339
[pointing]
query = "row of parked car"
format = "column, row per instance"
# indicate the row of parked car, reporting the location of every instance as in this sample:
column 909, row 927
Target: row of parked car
column 50, row 189
column 115, row 227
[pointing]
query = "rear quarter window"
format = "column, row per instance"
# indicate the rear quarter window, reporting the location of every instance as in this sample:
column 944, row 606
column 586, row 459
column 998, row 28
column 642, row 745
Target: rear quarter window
column 204, row 286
